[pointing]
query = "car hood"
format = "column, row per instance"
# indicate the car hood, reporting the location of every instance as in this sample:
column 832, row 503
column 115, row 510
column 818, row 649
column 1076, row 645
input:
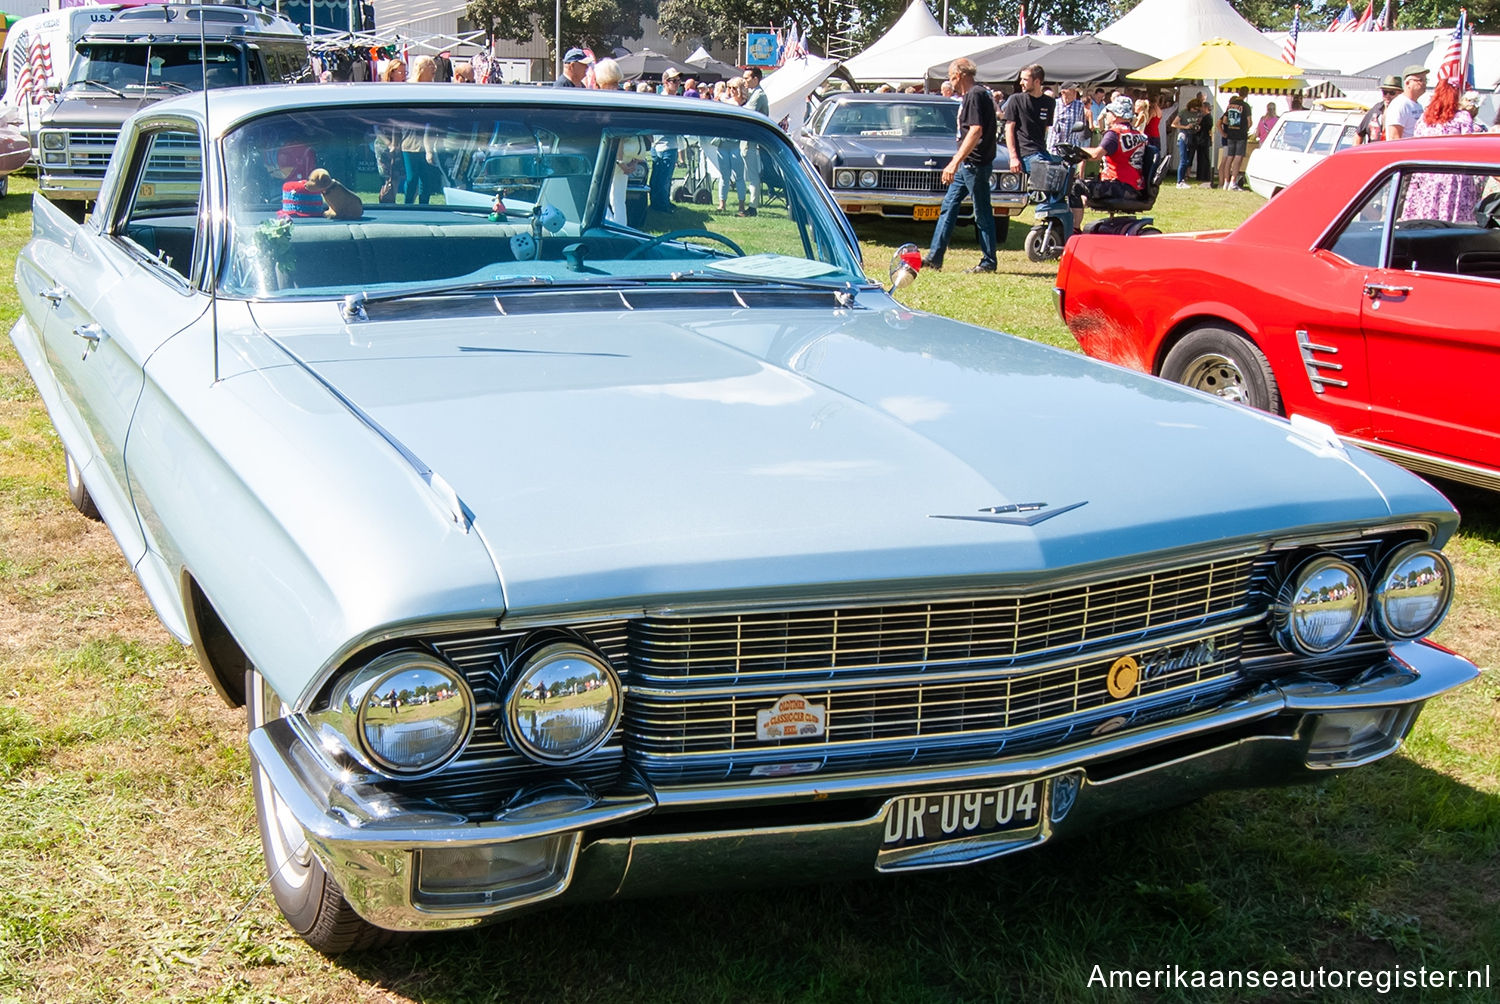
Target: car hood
column 85, row 107
column 628, row 459
column 897, row 151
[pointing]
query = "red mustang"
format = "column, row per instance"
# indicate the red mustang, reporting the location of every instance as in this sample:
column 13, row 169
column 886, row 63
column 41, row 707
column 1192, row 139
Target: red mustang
column 1366, row 295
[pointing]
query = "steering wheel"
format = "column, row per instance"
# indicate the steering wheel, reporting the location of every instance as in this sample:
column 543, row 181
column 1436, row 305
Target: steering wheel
column 672, row 235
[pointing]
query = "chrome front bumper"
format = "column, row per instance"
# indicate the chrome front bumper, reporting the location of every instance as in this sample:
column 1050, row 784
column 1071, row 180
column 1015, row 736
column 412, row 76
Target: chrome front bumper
column 406, row 867
column 900, row 205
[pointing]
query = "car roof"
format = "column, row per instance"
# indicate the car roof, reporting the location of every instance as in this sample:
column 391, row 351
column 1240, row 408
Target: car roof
column 889, row 96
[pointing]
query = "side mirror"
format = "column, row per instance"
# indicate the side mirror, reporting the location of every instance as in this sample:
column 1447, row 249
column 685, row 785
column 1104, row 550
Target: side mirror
column 905, row 264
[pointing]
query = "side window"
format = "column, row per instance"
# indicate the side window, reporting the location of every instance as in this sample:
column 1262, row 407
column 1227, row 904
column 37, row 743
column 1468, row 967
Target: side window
column 161, row 220
column 255, row 61
column 1294, row 135
column 1448, row 221
column 1349, row 137
column 1362, row 237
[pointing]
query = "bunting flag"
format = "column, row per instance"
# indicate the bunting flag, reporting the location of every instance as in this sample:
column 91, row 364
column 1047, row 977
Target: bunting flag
column 1021, row 20
column 1345, row 21
column 1455, row 61
column 1289, row 47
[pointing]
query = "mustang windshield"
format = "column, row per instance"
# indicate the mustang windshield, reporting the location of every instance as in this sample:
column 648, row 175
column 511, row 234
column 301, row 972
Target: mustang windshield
column 371, row 200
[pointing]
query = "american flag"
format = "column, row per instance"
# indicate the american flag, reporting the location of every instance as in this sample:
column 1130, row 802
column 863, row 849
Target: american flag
column 36, row 71
column 1455, row 60
column 1021, row 21
column 1289, row 47
column 1345, row 21
column 1385, row 15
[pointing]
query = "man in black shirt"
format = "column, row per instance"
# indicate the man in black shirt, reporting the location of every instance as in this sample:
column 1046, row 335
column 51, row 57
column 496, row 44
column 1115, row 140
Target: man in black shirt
column 968, row 173
column 575, row 67
column 1028, row 116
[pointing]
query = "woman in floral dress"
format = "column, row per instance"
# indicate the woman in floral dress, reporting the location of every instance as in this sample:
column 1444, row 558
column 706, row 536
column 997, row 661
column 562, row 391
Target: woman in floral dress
column 1448, row 197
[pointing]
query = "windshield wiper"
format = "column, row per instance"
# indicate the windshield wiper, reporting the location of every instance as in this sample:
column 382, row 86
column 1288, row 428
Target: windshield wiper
column 180, row 87
column 355, row 303
column 844, row 288
column 100, row 84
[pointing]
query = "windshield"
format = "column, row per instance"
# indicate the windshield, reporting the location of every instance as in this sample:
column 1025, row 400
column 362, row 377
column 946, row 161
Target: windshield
column 896, row 118
column 337, row 201
column 176, row 67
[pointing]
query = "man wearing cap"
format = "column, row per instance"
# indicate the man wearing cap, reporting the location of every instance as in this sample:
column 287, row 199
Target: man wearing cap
column 1372, row 126
column 575, row 67
column 1402, row 113
column 968, row 173
column 1122, row 148
column 664, row 152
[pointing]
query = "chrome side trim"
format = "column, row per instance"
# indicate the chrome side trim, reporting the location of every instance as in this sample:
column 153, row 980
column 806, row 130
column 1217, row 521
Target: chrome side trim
column 1427, row 463
column 1316, row 366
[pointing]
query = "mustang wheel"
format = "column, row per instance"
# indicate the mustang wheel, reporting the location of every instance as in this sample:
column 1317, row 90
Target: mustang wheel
column 1223, row 362
column 78, row 494
column 306, row 894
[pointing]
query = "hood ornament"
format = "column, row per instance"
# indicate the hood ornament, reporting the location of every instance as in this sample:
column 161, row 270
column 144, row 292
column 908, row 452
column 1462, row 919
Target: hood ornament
column 1019, row 514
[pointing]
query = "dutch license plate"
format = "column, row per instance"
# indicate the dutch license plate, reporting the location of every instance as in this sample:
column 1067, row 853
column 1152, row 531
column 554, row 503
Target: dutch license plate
column 916, row 820
column 925, row 212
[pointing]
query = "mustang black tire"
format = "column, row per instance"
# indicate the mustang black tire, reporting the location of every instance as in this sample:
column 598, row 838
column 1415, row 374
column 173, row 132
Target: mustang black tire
column 78, row 494
column 308, row 897
column 1222, row 361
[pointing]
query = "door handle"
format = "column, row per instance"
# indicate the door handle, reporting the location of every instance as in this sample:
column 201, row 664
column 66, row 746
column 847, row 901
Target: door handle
column 55, row 295
column 90, row 333
column 1376, row 291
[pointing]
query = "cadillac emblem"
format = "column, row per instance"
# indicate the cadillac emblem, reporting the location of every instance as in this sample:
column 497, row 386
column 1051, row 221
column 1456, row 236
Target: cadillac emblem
column 1123, row 676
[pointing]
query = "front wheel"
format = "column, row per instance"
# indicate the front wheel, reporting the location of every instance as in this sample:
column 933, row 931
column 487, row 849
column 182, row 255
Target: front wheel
column 1045, row 241
column 308, row 897
column 1223, row 362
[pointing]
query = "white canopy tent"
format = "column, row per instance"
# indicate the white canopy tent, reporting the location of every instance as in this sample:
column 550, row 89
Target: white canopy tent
column 1163, row 28
column 915, row 42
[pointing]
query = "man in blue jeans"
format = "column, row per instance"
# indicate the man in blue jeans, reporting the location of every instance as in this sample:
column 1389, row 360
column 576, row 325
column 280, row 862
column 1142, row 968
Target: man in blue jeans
column 968, row 173
column 1029, row 115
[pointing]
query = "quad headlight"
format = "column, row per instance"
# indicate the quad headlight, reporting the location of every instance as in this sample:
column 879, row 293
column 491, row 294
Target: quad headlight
column 1007, row 181
column 1412, row 593
column 564, row 703
column 408, row 711
column 1320, row 606
column 53, row 141
column 868, row 179
column 843, row 178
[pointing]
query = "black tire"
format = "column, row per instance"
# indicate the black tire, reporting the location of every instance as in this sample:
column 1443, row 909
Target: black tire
column 4, row 186
column 73, row 209
column 1147, row 229
column 1222, row 361
column 1002, row 229
column 78, row 494
column 308, row 897
column 1044, row 242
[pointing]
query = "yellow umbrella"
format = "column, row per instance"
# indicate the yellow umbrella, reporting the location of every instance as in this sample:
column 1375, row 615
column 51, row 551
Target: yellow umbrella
column 1217, row 59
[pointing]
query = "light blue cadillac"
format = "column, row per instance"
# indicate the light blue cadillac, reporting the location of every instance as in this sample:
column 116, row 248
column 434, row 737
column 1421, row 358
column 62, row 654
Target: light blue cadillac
column 558, row 558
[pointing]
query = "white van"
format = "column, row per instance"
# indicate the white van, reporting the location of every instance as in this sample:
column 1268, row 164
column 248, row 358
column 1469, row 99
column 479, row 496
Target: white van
column 56, row 31
column 1299, row 140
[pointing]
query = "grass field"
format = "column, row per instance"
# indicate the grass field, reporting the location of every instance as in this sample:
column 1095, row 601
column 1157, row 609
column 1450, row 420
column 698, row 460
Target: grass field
column 130, row 867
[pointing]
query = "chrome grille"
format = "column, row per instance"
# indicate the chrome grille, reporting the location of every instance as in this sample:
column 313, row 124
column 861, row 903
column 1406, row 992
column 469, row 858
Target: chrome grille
column 819, row 644
column 918, row 682
column 911, row 180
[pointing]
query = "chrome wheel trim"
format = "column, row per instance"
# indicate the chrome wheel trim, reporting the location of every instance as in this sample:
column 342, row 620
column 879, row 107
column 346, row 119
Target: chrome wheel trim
column 1216, row 374
column 287, row 850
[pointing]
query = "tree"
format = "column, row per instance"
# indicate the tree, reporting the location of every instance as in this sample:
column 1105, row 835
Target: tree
column 599, row 24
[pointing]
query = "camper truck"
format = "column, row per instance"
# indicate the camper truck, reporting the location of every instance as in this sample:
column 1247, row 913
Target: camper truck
column 43, row 44
column 144, row 54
